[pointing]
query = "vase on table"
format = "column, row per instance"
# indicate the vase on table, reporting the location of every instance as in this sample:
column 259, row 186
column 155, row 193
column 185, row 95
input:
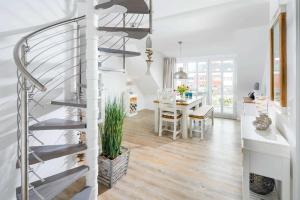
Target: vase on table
column 182, row 96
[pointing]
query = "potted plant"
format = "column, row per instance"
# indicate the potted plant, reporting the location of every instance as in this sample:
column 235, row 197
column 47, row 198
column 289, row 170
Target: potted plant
column 113, row 160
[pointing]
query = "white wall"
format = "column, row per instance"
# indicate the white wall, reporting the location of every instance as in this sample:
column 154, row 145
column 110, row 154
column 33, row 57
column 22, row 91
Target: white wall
column 144, row 86
column 115, row 83
column 286, row 120
column 137, row 68
column 251, row 49
column 147, row 85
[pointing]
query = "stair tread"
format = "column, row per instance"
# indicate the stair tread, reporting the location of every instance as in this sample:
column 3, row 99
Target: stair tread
column 70, row 102
column 132, row 6
column 85, row 194
column 119, row 52
column 54, row 185
column 57, row 124
column 48, row 152
column 136, row 33
column 105, row 69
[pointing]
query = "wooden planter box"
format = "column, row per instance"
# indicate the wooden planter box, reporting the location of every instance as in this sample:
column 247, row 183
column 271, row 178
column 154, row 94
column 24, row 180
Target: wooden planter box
column 110, row 171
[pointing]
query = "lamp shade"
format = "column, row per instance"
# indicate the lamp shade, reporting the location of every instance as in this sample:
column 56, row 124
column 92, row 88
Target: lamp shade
column 181, row 74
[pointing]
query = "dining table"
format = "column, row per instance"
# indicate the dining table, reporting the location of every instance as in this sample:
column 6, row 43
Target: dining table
column 186, row 106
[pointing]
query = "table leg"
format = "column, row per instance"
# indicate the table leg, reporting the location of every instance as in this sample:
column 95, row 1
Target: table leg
column 212, row 118
column 156, row 119
column 184, row 124
column 246, row 174
column 285, row 182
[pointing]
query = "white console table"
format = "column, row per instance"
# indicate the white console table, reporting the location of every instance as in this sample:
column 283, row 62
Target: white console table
column 265, row 153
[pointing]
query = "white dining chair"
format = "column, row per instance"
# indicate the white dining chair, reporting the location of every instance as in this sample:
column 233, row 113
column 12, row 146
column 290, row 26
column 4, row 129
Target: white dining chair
column 168, row 113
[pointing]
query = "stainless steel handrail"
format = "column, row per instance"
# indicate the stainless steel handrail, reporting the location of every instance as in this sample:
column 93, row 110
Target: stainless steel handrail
column 26, row 74
column 48, row 37
column 51, row 47
column 52, row 56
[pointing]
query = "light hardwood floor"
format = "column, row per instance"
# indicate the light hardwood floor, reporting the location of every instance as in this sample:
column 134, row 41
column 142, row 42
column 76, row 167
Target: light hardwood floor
column 185, row 169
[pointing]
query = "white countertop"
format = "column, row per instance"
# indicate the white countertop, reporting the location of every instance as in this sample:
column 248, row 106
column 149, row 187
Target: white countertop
column 269, row 141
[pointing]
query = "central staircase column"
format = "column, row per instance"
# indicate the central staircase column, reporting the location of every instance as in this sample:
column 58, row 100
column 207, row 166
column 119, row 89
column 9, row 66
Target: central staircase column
column 92, row 96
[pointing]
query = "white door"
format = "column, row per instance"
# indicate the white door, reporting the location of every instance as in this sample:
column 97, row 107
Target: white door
column 222, row 87
column 214, row 78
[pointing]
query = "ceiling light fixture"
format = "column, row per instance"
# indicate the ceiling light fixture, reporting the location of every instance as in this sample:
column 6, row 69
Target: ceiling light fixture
column 180, row 74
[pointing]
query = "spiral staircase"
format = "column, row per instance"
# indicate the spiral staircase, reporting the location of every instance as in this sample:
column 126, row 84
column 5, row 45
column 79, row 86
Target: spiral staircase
column 52, row 68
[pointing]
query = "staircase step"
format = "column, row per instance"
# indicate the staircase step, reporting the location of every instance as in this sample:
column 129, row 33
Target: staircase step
column 118, row 52
column 135, row 33
column 132, row 6
column 57, row 124
column 48, row 152
column 85, row 194
column 104, row 69
column 71, row 103
column 54, row 185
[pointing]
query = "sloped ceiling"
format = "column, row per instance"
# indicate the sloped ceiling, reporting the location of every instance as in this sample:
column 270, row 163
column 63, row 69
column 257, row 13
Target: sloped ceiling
column 199, row 22
column 167, row 8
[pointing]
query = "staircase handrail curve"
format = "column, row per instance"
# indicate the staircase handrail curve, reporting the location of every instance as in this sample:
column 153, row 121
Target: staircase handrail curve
column 20, row 65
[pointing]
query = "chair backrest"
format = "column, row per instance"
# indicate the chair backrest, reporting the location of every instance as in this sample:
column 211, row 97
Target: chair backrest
column 167, row 100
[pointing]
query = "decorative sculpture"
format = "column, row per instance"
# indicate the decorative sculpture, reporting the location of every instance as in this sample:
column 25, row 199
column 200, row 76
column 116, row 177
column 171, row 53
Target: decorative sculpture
column 149, row 53
column 262, row 122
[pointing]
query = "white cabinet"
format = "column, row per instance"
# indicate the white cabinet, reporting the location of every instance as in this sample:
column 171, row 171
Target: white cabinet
column 265, row 153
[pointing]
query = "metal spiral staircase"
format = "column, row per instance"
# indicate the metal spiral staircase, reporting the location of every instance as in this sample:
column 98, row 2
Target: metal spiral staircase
column 52, row 66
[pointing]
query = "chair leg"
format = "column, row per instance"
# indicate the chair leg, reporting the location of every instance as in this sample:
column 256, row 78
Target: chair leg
column 202, row 129
column 191, row 128
column 160, row 127
column 175, row 130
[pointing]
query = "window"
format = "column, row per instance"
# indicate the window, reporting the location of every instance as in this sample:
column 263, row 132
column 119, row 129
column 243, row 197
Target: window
column 213, row 78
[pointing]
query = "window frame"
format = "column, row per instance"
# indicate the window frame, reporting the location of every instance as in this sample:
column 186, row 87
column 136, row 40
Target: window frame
column 185, row 62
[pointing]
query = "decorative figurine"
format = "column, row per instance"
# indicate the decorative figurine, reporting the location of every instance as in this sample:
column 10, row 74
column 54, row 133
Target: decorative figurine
column 262, row 122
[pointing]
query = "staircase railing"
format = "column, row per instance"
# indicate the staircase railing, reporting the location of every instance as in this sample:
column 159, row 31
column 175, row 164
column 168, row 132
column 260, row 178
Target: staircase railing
column 29, row 85
column 50, row 58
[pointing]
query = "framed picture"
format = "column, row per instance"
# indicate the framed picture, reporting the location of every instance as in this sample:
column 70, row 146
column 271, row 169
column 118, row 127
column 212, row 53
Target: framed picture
column 278, row 60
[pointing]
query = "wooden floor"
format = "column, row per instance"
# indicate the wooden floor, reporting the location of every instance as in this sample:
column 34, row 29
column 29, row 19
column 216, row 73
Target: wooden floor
column 185, row 169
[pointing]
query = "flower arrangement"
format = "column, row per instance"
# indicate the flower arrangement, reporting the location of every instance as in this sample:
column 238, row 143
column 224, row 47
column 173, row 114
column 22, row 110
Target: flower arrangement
column 181, row 89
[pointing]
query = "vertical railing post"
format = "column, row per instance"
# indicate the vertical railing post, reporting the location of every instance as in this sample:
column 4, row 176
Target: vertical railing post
column 24, row 133
column 78, row 62
column 92, row 95
column 124, row 47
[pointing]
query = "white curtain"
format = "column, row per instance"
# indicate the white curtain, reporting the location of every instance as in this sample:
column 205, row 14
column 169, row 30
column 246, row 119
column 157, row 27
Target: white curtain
column 169, row 69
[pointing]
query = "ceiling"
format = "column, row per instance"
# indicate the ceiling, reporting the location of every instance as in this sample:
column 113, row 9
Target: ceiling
column 167, row 8
column 203, row 23
column 195, row 22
